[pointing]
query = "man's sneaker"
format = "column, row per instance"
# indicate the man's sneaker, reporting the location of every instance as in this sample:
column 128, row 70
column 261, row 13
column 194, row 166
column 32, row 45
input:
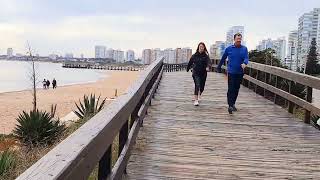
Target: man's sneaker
column 234, row 108
column 196, row 103
column 230, row 109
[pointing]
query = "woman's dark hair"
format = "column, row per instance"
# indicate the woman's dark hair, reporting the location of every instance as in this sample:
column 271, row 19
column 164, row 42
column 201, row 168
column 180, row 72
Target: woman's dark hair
column 205, row 48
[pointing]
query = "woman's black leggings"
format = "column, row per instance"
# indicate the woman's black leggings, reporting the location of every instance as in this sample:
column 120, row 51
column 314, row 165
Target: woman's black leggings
column 199, row 83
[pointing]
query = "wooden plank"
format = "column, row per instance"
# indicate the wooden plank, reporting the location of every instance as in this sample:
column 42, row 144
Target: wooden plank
column 260, row 141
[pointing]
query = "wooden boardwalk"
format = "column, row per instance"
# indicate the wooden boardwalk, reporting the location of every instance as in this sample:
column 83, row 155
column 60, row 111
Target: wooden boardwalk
column 260, row 141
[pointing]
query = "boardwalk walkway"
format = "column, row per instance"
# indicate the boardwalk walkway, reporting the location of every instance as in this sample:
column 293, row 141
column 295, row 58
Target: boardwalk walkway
column 260, row 141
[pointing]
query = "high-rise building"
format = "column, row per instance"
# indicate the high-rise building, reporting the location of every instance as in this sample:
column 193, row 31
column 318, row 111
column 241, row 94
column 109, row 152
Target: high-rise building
column 231, row 32
column 109, row 53
column 291, row 60
column 308, row 28
column 265, row 44
column 217, row 50
column 278, row 45
column 186, row 54
column 169, row 56
column 156, row 54
column 146, row 56
column 179, row 59
column 118, row 56
column 130, row 55
column 9, row 52
column 100, row 51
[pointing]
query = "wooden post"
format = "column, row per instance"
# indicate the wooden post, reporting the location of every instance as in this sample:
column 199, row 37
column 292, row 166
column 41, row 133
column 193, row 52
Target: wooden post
column 105, row 165
column 256, row 86
column 275, row 95
column 250, row 74
column 123, row 137
column 265, row 80
column 291, row 105
column 307, row 115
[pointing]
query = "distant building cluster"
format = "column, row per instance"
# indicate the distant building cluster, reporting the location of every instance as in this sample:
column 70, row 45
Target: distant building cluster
column 293, row 52
column 116, row 55
column 278, row 45
column 171, row 56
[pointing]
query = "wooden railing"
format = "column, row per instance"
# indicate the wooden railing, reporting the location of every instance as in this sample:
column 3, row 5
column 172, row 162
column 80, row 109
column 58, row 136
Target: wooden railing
column 90, row 146
column 175, row 67
column 277, row 83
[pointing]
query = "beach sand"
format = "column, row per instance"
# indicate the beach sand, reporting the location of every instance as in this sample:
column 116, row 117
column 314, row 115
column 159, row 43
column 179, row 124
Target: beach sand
column 13, row 103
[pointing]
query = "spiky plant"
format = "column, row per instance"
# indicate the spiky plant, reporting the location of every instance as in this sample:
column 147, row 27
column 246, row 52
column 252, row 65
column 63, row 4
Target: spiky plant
column 37, row 128
column 7, row 161
column 89, row 106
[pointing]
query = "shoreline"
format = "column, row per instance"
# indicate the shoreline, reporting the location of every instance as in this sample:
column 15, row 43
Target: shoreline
column 15, row 102
column 66, row 85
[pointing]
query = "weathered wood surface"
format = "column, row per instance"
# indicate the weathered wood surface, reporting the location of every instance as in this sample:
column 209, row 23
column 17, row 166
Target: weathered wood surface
column 260, row 141
column 76, row 156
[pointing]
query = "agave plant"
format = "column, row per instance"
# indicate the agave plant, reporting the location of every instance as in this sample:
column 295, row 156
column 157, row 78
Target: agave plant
column 38, row 127
column 89, row 107
column 7, row 161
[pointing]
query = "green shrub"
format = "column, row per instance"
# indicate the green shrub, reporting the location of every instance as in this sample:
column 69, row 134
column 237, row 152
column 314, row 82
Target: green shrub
column 7, row 161
column 38, row 127
column 89, row 107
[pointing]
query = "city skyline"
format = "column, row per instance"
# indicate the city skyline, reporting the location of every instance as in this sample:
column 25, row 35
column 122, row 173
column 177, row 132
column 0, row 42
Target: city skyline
column 76, row 26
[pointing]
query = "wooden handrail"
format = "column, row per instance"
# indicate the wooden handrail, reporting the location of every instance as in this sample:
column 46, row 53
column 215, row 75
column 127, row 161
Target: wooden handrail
column 308, row 81
column 77, row 155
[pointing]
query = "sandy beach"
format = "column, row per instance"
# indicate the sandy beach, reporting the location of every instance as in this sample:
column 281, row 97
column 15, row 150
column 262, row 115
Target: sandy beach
column 12, row 103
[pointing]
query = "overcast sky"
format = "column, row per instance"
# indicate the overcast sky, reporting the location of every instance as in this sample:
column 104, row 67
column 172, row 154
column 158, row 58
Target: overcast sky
column 62, row 26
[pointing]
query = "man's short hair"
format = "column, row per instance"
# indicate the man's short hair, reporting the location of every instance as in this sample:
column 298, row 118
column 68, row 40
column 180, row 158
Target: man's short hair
column 237, row 34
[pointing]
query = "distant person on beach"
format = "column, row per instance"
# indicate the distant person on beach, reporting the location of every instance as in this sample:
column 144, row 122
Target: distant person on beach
column 238, row 59
column 200, row 63
column 48, row 84
column 54, row 83
column 44, row 83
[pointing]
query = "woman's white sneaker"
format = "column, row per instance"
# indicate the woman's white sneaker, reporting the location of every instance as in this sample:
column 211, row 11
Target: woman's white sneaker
column 196, row 103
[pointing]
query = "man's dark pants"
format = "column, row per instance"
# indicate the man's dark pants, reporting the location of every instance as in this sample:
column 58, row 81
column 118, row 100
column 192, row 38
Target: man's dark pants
column 234, row 82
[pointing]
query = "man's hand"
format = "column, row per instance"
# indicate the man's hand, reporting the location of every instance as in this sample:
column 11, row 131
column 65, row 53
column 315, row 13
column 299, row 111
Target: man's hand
column 207, row 69
column 243, row 66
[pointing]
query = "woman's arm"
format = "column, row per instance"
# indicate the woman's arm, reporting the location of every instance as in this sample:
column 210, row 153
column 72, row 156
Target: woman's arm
column 209, row 63
column 190, row 63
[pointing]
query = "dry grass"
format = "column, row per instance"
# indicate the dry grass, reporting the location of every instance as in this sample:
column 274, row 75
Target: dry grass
column 26, row 156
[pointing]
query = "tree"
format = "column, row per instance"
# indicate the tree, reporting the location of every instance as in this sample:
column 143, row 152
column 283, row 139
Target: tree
column 265, row 57
column 33, row 77
column 312, row 66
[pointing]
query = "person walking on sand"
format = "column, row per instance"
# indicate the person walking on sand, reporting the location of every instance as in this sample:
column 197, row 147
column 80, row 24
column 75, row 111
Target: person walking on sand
column 48, row 84
column 54, row 83
column 200, row 63
column 44, row 83
column 237, row 61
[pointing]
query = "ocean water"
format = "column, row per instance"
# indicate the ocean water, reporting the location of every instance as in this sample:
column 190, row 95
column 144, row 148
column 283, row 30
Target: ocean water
column 16, row 75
